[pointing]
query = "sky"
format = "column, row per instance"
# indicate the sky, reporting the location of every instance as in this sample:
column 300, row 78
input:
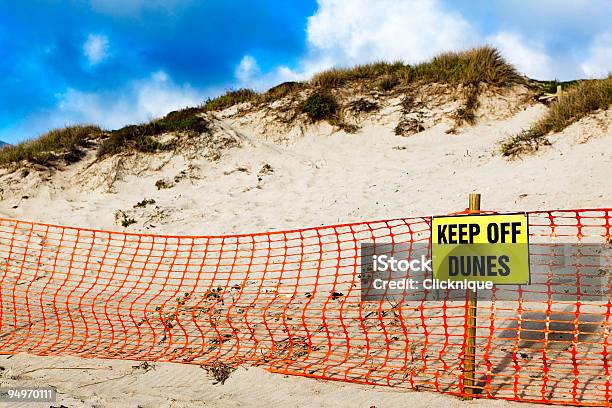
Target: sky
column 118, row 62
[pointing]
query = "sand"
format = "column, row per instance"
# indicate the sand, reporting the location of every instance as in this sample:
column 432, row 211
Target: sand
column 314, row 177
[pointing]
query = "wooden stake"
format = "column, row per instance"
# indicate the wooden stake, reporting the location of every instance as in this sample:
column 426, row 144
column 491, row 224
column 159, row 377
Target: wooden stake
column 469, row 355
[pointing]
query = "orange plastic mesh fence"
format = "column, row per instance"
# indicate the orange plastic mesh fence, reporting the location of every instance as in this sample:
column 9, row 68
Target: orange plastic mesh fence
column 290, row 302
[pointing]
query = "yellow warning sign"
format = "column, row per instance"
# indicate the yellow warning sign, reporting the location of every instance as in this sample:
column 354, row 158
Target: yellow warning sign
column 491, row 248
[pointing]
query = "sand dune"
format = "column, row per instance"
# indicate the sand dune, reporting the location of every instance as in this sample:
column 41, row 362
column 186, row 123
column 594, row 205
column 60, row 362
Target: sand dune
column 268, row 176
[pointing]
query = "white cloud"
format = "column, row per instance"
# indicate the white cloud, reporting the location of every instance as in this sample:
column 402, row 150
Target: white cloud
column 349, row 32
column 365, row 30
column 95, row 48
column 247, row 69
column 142, row 100
column 249, row 75
column 344, row 33
column 529, row 57
column 599, row 60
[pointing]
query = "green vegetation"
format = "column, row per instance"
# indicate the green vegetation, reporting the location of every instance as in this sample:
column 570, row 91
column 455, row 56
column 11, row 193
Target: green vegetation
column 483, row 64
column 473, row 66
column 280, row 91
column 228, row 99
column 65, row 143
column 126, row 222
column 142, row 137
column 337, row 77
column 573, row 104
column 232, row 98
column 388, row 82
column 468, row 68
column 478, row 65
column 319, row 106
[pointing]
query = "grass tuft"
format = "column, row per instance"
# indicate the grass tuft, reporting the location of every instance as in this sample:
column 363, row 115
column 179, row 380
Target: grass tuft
column 336, row 77
column 144, row 203
column 60, row 144
column 387, row 82
column 219, row 371
column 229, row 99
column 320, row 105
column 280, row 91
column 482, row 64
column 477, row 65
column 573, row 104
column 142, row 137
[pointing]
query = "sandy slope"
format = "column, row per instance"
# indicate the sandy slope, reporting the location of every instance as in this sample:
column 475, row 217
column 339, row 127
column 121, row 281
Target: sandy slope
column 319, row 178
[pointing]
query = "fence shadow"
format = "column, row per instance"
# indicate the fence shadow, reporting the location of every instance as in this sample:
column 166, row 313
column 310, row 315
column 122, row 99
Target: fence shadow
column 539, row 340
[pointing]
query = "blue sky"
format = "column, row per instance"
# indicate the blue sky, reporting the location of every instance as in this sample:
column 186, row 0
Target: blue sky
column 114, row 62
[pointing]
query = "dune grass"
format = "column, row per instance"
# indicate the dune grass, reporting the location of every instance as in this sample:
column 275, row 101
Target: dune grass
column 229, row 99
column 280, row 91
column 483, row 64
column 474, row 66
column 337, row 77
column 234, row 97
column 64, row 143
column 142, row 137
column 573, row 104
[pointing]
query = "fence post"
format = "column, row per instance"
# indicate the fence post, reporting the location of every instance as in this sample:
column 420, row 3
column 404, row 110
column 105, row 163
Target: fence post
column 469, row 354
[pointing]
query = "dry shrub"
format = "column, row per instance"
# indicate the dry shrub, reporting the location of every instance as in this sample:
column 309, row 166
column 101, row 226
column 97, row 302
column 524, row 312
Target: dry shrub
column 320, row 105
column 363, row 106
column 467, row 112
column 388, row 82
column 219, row 371
column 409, row 126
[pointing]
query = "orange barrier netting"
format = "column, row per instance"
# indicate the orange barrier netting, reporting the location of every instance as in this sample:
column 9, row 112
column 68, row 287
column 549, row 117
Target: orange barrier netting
column 290, row 302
